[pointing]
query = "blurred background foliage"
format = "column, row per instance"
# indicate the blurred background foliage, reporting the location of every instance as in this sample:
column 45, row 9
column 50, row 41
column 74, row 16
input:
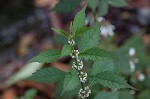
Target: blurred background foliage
column 25, row 30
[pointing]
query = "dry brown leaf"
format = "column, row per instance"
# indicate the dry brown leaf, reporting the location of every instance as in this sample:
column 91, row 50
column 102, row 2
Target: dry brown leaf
column 139, row 3
column 47, row 89
column 9, row 94
column 45, row 3
column 61, row 66
column 146, row 39
column 55, row 20
column 24, row 43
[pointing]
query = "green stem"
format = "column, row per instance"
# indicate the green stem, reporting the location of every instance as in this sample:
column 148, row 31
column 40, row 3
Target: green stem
column 75, row 59
column 94, row 16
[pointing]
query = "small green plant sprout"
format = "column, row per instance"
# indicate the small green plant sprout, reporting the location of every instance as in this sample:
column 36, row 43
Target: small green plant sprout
column 82, row 45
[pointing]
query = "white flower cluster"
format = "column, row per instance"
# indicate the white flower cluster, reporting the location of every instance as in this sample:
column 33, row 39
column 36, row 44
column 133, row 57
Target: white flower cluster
column 132, row 51
column 132, row 66
column 133, row 59
column 83, row 77
column 107, row 29
column 141, row 77
column 71, row 41
column 83, row 93
column 74, row 54
column 100, row 19
column 78, row 65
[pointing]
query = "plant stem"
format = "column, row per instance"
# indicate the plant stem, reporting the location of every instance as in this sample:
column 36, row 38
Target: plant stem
column 94, row 16
column 79, row 73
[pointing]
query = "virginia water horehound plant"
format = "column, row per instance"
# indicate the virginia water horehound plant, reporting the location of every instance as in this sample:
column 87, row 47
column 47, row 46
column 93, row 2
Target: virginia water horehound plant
column 82, row 42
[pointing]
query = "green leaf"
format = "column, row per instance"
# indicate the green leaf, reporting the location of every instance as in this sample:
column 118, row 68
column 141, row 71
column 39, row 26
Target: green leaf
column 134, row 42
column 48, row 75
column 96, row 54
column 103, row 8
column 101, row 66
column 79, row 21
column 65, row 6
column 65, row 95
column 62, row 32
column 80, row 31
column 93, row 4
column 107, row 95
column 89, row 39
column 30, row 93
column 112, row 80
column 146, row 82
column 108, row 44
column 122, row 64
column 125, row 95
column 117, row 3
column 71, row 81
column 66, row 50
column 47, row 56
column 58, row 39
column 144, row 94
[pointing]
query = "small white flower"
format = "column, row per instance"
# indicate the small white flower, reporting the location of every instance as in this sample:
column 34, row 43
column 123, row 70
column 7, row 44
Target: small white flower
column 72, row 55
column 74, row 66
column 88, row 89
column 71, row 41
column 107, row 29
column 87, row 21
column 78, row 65
column 141, row 77
column 100, row 19
column 83, row 77
column 132, row 66
column 79, row 62
column 132, row 92
column 83, row 93
column 132, row 51
column 90, row 20
column 76, row 52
